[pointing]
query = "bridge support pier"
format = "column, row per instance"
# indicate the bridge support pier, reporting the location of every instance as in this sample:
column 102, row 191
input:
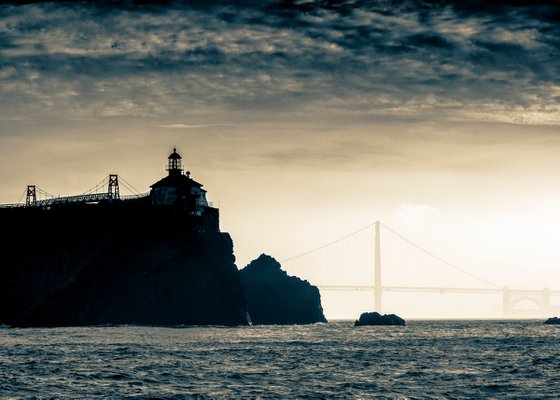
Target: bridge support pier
column 378, row 288
column 546, row 299
column 506, row 304
column 512, row 297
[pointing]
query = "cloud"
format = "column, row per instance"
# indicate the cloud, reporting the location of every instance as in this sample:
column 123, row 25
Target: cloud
column 429, row 40
column 418, row 217
column 190, row 126
column 412, row 59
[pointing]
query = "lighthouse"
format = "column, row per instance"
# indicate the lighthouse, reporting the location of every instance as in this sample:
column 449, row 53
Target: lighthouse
column 179, row 190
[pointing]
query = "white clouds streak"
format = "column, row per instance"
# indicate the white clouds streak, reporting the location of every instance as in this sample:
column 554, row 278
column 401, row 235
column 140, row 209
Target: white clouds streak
column 446, row 63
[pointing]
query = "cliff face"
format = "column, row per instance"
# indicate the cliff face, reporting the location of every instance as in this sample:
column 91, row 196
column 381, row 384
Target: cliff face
column 118, row 264
column 276, row 298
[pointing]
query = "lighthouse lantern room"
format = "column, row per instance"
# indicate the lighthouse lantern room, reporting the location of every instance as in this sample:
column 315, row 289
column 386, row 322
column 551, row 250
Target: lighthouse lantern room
column 178, row 189
column 174, row 163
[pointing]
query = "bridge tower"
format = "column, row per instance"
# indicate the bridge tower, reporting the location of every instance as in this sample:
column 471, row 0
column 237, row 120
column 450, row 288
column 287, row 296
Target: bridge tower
column 377, row 290
column 113, row 191
column 546, row 299
column 506, row 301
column 31, row 198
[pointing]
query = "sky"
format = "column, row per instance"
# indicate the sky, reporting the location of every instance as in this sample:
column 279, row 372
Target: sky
column 305, row 121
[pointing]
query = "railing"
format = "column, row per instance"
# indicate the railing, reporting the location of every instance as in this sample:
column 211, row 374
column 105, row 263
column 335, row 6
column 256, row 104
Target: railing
column 12, row 205
column 135, row 196
column 82, row 198
column 442, row 290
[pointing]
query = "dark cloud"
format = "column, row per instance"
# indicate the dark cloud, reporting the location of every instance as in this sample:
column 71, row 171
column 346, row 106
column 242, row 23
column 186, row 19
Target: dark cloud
column 6, row 42
column 435, row 59
column 429, row 40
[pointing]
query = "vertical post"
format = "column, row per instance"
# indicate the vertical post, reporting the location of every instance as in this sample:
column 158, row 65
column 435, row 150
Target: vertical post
column 377, row 270
column 546, row 299
column 506, row 305
column 31, row 198
column 113, row 187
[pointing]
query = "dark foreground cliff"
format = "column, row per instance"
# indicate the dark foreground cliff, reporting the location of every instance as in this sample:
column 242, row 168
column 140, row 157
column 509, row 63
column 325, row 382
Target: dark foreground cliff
column 115, row 264
column 276, row 298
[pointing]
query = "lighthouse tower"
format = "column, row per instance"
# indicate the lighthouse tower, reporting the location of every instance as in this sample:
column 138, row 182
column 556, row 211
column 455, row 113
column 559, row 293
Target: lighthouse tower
column 180, row 191
column 174, row 165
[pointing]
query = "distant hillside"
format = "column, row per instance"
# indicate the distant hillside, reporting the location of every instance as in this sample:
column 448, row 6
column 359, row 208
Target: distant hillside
column 276, row 298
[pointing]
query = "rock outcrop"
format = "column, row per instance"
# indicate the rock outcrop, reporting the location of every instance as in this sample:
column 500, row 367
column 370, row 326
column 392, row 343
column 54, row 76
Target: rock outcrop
column 553, row 321
column 116, row 264
column 374, row 318
column 273, row 297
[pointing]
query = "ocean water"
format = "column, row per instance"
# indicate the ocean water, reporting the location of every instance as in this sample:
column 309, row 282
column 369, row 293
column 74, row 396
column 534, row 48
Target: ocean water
column 423, row 360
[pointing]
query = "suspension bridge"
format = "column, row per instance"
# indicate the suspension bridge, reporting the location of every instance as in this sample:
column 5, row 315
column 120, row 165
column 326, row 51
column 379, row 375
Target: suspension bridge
column 379, row 260
column 106, row 190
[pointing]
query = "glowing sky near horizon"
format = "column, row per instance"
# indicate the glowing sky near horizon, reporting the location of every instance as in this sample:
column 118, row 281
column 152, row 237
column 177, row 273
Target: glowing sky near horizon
column 304, row 120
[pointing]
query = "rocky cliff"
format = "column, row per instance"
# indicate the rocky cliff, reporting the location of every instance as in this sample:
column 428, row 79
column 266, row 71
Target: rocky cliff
column 115, row 264
column 374, row 318
column 276, row 298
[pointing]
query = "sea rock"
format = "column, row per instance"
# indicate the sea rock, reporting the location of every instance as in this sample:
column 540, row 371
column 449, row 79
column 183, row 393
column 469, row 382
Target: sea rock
column 273, row 297
column 116, row 264
column 553, row 321
column 374, row 318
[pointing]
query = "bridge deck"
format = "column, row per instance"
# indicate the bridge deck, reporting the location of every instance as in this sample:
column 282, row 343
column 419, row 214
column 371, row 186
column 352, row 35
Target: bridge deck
column 420, row 289
column 83, row 198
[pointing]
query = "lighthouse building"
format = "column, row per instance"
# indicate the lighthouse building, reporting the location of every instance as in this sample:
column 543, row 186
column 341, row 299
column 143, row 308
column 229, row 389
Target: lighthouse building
column 180, row 191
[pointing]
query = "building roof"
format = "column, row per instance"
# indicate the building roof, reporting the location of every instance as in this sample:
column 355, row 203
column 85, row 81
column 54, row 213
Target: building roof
column 174, row 155
column 176, row 181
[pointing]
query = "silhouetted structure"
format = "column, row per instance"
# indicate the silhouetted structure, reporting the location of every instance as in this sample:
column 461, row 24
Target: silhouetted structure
column 511, row 298
column 180, row 191
column 163, row 261
column 31, row 197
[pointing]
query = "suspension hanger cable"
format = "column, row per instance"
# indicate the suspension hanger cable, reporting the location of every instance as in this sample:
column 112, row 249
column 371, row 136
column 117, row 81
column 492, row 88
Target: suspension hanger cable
column 328, row 244
column 44, row 192
column 129, row 186
column 24, row 194
column 97, row 186
column 429, row 253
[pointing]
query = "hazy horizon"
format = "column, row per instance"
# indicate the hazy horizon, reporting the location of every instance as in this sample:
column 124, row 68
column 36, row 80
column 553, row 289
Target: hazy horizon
column 304, row 121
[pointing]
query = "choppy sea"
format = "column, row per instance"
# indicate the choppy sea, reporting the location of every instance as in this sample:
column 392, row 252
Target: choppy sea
column 423, row 360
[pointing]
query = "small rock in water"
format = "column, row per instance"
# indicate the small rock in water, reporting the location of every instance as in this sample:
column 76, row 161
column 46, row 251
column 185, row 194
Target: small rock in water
column 374, row 318
column 553, row 321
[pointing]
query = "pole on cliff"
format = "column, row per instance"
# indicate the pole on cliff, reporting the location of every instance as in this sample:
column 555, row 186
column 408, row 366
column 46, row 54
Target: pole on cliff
column 377, row 270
